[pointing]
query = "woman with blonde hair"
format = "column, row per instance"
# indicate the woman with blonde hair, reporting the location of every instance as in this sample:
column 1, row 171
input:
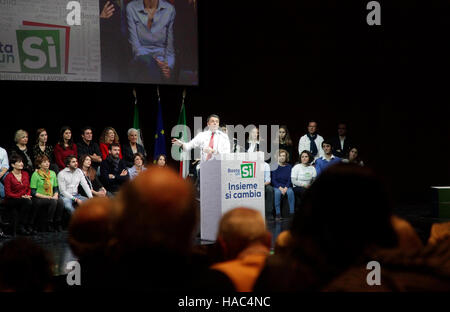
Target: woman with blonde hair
column 108, row 136
column 20, row 148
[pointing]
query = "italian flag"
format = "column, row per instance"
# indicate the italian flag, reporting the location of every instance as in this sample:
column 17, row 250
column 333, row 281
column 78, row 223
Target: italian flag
column 184, row 161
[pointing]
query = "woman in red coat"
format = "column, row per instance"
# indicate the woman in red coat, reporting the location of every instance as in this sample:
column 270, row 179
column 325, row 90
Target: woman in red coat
column 65, row 147
column 18, row 197
column 109, row 136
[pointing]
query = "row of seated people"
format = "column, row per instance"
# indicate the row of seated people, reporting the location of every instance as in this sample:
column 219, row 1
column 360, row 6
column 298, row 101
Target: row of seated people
column 66, row 147
column 40, row 203
column 291, row 182
column 145, row 235
column 341, row 145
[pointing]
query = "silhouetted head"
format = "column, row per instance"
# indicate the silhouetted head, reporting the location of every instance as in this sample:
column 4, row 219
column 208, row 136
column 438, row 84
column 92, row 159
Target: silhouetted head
column 158, row 211
column 344, row 212
column 24, row 266
column 240, row 228
column 91, row 227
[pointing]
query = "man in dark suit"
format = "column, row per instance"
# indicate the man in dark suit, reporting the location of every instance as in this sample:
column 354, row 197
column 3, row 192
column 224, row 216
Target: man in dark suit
column 341, row 144
column 113, row 170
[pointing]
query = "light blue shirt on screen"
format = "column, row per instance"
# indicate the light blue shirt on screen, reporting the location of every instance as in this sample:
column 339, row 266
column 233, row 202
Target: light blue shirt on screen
column 158, row 41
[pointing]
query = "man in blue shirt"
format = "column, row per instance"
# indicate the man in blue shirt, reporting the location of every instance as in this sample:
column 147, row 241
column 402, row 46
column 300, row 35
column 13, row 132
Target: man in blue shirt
column 327, row 160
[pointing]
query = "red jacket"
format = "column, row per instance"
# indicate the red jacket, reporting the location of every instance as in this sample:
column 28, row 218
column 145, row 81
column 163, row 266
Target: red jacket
column 61, row 154
column 104, row 148
column 15, row 189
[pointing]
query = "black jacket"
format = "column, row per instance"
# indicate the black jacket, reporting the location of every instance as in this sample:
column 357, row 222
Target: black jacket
column 106, row 168
column 127, row 153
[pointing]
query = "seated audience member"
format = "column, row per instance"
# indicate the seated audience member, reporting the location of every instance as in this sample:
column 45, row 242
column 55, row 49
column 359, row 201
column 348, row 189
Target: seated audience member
column 281, row 182
column 44, row 188
column 131, row 148
column 18, row 198
column 138, row 166
column 113, row 171
column 4, row 166
column 65, row 147
column 353, row 157
column 311, row 141
column 68, row 181
column 161, row 160
column 335, row 228
column 285, row 142
column 341, row 144
column 156, row 229
column 246, row 244
column 88, row 147
column 327, row 160
column 90, row 231
column 439, row 232
column 407, row 238
column 108, row 137
column 235, row 147
column 252, row 144
column 92, row 179
column 42, row 148
column 302, row 175
column 20, row 148
column 268, row 192
column 25, row 267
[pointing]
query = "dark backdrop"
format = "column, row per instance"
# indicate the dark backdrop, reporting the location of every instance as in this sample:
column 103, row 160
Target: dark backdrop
column 285, row 62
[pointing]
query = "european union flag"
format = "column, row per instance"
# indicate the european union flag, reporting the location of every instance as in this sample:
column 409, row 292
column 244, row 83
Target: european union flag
column 160, row 140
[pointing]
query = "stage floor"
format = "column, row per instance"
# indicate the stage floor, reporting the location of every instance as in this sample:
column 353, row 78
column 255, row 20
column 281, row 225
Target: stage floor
column 58, row 247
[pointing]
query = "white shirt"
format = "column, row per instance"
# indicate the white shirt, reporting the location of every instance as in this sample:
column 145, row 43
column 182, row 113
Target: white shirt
column 252, row 146
column 4, row 163
column 302, row 175
column 201, row 140
column 304, row 144
column 68, row 182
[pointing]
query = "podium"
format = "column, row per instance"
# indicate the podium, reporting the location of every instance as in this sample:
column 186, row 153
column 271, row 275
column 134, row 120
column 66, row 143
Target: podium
column 228, row 181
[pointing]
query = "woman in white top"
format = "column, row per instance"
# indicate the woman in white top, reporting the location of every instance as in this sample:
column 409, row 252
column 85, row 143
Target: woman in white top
column 302, row 175
column 138, row 166
column 252, row 145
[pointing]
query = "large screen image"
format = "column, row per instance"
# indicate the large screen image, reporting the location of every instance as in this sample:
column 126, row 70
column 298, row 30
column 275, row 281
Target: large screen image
column 131, row 41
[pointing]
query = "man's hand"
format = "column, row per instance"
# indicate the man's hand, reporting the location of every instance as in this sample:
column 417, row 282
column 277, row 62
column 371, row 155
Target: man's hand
column 78, row 201
column 164, row 66
column 96, row 158
column 111, row 176
column 208, row 150
column 108, row 10
column 177, row 142
column 123, row 173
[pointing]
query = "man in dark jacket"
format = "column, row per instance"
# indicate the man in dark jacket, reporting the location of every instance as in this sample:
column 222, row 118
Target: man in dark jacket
column 113, row 171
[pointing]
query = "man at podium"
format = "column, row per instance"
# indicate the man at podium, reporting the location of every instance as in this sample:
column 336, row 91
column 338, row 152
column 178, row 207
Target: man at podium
column 211, row 142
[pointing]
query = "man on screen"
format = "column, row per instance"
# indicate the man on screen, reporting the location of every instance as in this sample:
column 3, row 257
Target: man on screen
column 211, row 142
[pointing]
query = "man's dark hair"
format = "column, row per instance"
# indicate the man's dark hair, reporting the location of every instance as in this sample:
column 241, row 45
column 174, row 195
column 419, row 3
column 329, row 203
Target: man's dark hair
column 14, row 158
column 113, row 145
column 212, row 115
column 83, row 130
column 326, row 142
column 68, row 159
